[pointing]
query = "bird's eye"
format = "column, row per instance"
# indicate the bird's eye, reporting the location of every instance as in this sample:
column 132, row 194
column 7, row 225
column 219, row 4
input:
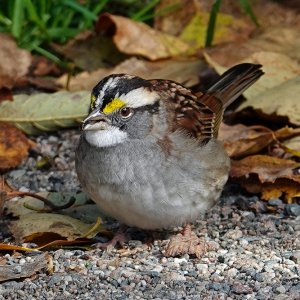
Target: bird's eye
column 126, row 112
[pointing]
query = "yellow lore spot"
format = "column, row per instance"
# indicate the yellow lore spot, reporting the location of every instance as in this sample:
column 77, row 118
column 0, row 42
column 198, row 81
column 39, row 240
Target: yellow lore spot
column 113, row 105
column 93, row 100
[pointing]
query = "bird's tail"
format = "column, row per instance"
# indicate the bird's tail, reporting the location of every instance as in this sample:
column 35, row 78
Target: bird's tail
column 229, row 87
column 234, row 82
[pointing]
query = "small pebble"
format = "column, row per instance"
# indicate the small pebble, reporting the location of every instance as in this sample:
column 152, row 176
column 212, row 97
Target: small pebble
column 293, row 209
column 281, row 289
column 234, row 234
column 295, row 256
column 275, row 202
column 239, row 288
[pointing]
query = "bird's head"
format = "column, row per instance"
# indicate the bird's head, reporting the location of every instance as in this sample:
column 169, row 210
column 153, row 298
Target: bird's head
column 122, row 108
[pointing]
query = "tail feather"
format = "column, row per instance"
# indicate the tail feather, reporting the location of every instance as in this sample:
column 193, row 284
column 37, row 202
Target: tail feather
column 229, row 87
column 235, row 81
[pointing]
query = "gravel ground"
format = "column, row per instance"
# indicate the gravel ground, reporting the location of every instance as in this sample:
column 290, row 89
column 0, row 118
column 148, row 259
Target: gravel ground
column 256, row 254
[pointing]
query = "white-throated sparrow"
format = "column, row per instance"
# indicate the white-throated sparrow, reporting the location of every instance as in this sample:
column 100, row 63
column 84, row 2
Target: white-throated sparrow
column 148, row 155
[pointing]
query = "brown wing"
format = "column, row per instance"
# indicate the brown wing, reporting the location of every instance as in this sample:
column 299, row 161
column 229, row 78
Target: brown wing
column 202, row 114
column 190, row 113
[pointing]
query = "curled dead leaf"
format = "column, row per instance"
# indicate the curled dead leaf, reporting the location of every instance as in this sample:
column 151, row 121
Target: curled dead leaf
column 137, row 38
column 189, row 20
column 40, row 262
column 91, row 51
column 287, row 190
column 5, row 190
column 14, row 62
column 267, row 168
column 240, row 140
column 14, row 146
column 184, row 71
column 43, row 228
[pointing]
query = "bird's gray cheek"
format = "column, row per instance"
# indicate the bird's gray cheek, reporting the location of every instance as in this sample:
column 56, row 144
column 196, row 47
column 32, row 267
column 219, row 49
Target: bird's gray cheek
column 139, row 126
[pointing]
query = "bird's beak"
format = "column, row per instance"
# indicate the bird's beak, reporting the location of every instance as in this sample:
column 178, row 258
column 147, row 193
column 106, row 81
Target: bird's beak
column 95, row 121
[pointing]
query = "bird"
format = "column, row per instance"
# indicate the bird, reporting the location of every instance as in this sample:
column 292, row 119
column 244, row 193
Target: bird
column 149, row 156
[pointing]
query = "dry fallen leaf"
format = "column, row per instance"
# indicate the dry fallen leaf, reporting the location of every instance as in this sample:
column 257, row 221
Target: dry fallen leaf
column 137, row 38
column 189, row 20
column 91, row 51
column 282, row 100
column 184, row 71
column 275, row 46
column 45, row 112
column 240, row 140
column 285, row 189
column 278, row 69
column 40, row 262
column 42, row 228
column 228, row 29
column 293, row 143
column 6, row 94
column 267, row 168
column 177, row 14
column 14, row 146
column 280, row 34
column 284, row 41
column 14, row 62
column 276, row 93
column 5, row 189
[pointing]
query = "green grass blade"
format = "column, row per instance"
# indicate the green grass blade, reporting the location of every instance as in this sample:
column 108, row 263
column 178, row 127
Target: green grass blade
column 81, row 9
column 17, row 19
column 34, row 17
column 139, row 15
column 47, row 54
column 248, row 10
column 67, row 20
column 167, row 9
column 62, row 34
column 98, row 8
column 212, row 23
column 5, row 21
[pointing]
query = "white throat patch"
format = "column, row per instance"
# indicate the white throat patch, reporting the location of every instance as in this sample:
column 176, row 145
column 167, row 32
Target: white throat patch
column 104, row 138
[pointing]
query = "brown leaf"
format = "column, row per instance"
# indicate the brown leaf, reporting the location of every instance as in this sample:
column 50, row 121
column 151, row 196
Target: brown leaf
column 8, row 247
column 286, row 189
column 266, row 167
column 285, row 96
column 43, row 228
column 189, row 21
column 41, row 66
column 5, row 94
column 5, row 190
column 280, row 35
column 278, row 68
column 240, row 140
column 280, row 82
column 14, row 62
column 178, row 16
column 14, row 146
column 40, row 262
column 91, row 51
column 137, row 38
column 184, row 71
column 287, row 133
